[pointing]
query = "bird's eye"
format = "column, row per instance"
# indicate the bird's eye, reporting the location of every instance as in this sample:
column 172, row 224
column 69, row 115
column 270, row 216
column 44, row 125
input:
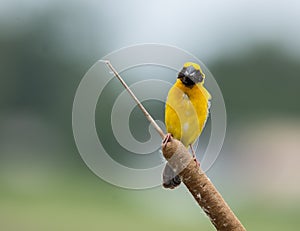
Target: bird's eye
column 180, row 75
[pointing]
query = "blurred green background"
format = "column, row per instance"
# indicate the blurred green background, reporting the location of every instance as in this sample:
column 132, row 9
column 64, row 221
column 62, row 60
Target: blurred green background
column 252, row 49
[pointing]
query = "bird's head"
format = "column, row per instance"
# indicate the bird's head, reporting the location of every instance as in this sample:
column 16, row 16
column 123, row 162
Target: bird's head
column 191, row 74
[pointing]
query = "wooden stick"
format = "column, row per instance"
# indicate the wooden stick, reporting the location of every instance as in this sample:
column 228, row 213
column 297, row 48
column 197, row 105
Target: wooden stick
column 199, row 185
column 147, row 115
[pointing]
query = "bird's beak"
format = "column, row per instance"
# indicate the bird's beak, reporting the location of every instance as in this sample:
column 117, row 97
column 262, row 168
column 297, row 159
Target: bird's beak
column 186, row 79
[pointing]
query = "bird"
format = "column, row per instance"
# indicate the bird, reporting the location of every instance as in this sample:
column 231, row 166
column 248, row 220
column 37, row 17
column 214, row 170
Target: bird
column 186, row 112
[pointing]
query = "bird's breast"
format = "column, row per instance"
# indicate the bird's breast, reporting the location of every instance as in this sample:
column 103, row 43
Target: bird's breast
column 186, row 113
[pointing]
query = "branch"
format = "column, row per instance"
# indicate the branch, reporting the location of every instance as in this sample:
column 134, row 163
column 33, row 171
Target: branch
column 202, row 189
column 147, row 115
column 199, row 185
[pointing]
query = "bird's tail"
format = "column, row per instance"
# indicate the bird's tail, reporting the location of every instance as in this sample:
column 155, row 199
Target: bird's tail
column 170, row 179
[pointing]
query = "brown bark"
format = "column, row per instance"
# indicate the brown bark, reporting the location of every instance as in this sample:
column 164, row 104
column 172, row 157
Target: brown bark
column 202, row 189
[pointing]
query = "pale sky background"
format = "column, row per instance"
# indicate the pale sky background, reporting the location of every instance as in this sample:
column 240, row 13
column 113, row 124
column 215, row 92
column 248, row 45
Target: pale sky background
column 214, row 28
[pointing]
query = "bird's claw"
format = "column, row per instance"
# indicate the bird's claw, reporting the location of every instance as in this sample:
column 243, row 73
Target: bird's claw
column 166, row 139
column 197, row 162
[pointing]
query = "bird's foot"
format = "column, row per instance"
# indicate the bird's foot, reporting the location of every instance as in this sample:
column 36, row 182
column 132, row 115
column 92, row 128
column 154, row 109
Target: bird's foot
column 194, row 156
column 166, row 139
column 197, row 162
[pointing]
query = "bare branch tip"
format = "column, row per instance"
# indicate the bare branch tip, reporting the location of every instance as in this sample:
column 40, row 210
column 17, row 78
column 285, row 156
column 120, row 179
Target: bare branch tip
column 104, row 61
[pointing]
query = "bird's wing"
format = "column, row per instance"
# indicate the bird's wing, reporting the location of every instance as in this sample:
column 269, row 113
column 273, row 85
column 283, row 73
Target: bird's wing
column 207, row 96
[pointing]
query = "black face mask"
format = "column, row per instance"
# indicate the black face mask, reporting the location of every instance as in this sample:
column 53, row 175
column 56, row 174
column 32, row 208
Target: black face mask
column 190, row 76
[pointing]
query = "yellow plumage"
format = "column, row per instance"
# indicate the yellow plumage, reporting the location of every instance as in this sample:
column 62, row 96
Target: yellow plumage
column 187, row 108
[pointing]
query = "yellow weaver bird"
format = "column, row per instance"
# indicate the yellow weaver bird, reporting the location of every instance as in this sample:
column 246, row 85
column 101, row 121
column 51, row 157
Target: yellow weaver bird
column 186, row 112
